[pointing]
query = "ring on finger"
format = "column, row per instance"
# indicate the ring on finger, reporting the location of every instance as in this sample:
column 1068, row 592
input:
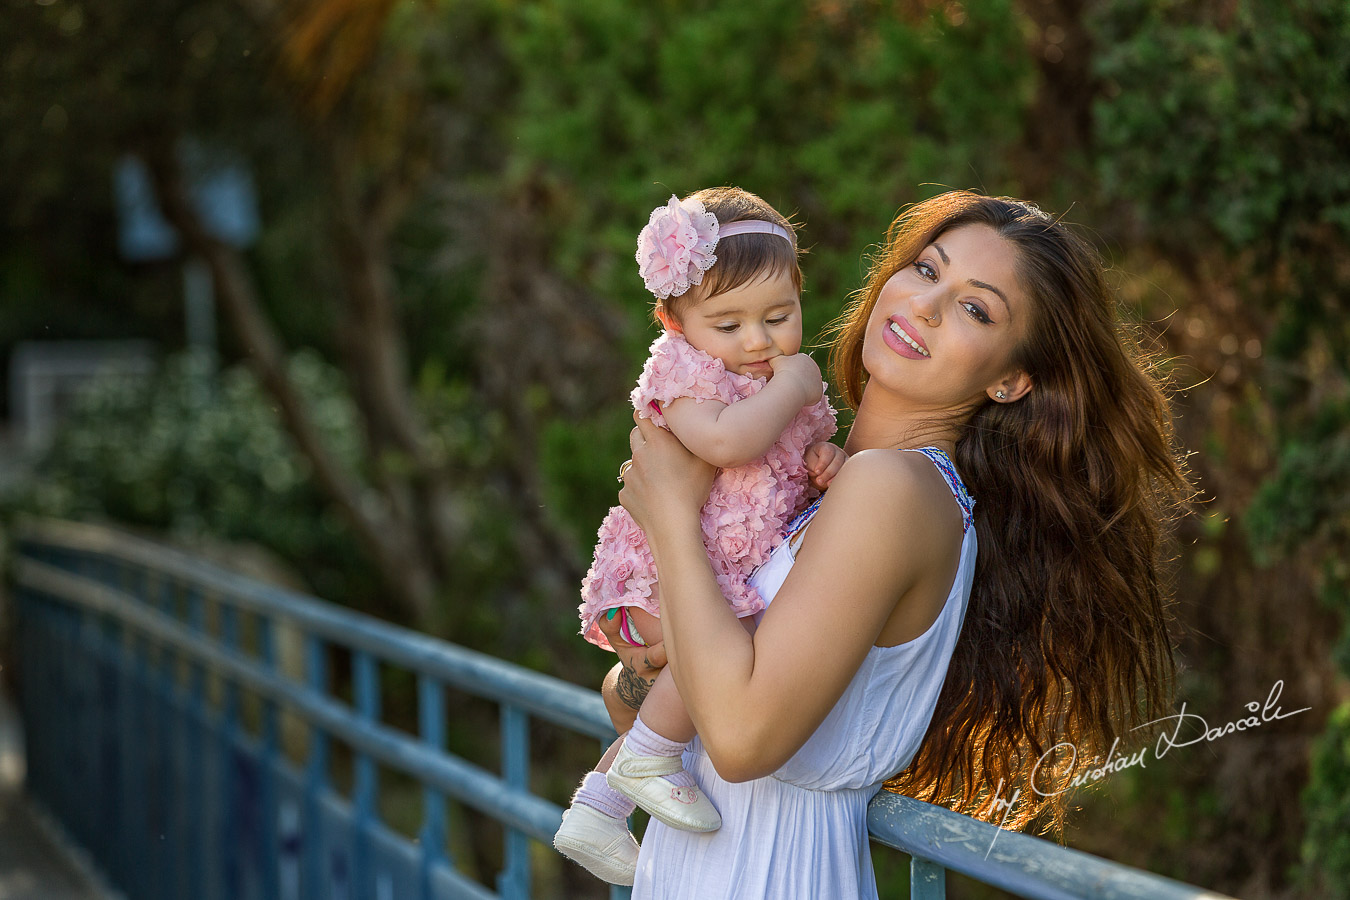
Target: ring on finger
column 623, row 469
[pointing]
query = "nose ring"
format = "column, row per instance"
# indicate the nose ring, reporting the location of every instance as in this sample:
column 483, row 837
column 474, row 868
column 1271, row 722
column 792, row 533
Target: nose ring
column 931, row 320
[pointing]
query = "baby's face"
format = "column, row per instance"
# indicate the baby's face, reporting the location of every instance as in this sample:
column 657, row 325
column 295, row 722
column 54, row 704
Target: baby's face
column 748, row 326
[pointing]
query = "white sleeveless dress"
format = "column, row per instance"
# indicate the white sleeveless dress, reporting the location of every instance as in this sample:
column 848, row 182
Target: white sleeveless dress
column 801, row 833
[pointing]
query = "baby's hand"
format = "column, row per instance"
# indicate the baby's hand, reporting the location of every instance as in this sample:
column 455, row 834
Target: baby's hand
column 823, row 462
column 802, row 371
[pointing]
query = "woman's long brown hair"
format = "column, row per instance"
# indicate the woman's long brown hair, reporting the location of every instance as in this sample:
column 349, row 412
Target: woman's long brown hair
column 1065, row 644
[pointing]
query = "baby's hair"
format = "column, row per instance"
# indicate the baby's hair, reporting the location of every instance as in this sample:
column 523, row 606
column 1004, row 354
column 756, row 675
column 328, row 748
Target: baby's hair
column 741, row 258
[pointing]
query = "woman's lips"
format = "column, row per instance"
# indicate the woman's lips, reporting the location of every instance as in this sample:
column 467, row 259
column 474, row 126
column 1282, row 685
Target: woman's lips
column 900, row 336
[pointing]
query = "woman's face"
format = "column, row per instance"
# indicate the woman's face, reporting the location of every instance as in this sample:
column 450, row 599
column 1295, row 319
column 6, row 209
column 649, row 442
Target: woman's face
column 944, row 328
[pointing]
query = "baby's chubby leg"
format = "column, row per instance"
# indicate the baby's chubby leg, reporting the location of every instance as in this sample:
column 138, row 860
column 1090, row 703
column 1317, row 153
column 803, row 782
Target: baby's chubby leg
column 647, row 768
column 663, row 711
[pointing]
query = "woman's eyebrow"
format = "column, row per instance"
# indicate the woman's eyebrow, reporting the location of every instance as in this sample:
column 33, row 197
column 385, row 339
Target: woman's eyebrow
column 992, row 289
column 983, row 285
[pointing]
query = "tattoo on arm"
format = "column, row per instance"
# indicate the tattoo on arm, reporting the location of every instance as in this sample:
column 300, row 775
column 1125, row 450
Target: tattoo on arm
column 632, row 687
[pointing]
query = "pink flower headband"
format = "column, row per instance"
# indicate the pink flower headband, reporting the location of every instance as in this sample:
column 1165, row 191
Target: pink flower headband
column 676, row 246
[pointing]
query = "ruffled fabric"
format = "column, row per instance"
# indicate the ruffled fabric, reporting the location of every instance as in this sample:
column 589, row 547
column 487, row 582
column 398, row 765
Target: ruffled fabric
column 748, row 506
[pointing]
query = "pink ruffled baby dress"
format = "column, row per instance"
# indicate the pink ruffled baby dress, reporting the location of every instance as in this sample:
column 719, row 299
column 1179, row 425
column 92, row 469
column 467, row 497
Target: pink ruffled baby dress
column 747, row 509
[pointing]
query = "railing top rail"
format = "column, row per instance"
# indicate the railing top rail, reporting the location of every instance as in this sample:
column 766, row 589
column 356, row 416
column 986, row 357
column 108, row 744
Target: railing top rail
column 543, row 695
column 1025, row 865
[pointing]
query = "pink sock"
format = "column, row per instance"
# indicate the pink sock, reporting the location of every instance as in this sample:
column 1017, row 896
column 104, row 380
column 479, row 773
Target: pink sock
column 596, row 793
column 645, row 742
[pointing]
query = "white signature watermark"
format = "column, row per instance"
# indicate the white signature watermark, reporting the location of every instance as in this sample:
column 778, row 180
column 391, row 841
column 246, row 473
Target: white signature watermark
column 1195, row 726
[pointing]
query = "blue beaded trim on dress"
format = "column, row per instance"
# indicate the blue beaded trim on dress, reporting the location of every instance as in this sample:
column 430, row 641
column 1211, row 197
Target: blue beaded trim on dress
column 948, row 470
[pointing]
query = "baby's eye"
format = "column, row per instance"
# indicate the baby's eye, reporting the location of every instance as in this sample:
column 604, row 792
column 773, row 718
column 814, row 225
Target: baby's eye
column 925, row 270
column 779, row 320
column 726, row 329
column 976, row 313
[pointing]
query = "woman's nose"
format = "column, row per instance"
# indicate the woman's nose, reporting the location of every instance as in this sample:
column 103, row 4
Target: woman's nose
column 928, row 305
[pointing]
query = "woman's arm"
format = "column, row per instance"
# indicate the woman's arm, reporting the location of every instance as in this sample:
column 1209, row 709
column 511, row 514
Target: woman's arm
column 733, row 435
column 881, row 531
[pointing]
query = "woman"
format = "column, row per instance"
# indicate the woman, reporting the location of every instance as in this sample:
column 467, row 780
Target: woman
column 986, row 337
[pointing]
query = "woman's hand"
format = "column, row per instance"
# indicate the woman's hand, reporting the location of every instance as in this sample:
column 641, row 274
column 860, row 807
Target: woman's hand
column 666, row 484
column 627, row 684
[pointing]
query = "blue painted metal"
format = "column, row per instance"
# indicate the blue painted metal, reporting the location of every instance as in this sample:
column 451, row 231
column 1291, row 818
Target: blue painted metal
column 142, row 670
column 1027, row 866
column 136, row 664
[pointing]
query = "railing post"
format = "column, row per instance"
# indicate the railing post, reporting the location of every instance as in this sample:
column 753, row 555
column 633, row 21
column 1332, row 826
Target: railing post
column 141, row 724
column 927, row 880
column 514, row 881
column 366, row 783
column 270, row 759
column 233, row 861
column 165, row 860
column 431, row 725
column 316, row 777
column 194, row 749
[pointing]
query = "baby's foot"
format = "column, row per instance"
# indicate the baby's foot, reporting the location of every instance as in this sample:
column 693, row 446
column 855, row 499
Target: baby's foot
column 601, row 844
column 661, row 786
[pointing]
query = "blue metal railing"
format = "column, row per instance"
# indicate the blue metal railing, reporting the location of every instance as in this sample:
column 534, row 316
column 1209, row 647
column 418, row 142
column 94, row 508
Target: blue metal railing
column 154, row 688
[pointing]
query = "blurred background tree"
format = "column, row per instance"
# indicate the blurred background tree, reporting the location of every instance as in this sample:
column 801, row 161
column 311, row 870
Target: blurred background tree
column 440, row 322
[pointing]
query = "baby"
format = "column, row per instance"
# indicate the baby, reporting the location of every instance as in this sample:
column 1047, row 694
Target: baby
column 727, row 379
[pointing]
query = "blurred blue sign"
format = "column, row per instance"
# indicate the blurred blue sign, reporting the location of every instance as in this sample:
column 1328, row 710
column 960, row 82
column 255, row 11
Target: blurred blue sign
column 222, row 195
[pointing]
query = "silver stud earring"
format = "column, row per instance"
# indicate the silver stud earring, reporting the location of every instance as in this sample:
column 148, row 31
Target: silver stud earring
column 1000, row 395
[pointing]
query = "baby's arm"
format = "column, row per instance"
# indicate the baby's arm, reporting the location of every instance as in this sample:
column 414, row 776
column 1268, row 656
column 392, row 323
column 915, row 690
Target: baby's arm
column 733, row 435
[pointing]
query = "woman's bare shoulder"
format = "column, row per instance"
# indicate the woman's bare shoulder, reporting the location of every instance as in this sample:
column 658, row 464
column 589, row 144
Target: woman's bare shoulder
column 889, row 477
column 889, row 498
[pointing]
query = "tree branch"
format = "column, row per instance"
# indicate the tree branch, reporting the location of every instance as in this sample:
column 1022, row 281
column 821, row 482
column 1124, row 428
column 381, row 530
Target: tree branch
column 384, row 537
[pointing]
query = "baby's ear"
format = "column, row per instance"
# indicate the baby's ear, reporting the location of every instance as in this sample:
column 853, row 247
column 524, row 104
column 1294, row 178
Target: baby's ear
column 668, row 321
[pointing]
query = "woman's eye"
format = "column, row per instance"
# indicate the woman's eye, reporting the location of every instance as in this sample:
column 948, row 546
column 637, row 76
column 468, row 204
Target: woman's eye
column 925, row 271
column 977, row 314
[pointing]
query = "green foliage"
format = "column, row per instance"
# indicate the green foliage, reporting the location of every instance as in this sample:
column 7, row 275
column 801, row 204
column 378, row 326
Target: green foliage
column 1306, row 499
column 1244, row 113
column 836, row 114
column 196, row 455
column 1245, row 116
column 1326, row 802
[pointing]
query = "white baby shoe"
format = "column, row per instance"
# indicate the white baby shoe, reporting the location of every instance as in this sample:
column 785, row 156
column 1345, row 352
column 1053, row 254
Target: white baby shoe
column 600, row 844
column 641, row 779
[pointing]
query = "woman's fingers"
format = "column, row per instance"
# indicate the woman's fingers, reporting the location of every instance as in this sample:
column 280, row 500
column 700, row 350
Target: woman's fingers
column 665, row 479
column 638, row 436
column 656, row 655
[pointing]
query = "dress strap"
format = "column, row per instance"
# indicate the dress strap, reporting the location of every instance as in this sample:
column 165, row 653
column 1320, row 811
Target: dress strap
column 796, row 529
column 944, row 465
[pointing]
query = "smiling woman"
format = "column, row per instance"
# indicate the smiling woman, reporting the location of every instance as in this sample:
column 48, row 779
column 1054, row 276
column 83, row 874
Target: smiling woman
column 1078, row 484
column 994, row 395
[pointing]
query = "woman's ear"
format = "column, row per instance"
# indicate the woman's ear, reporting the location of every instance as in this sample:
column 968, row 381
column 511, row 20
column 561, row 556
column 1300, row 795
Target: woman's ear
column 1014, row 387
column 668, row 321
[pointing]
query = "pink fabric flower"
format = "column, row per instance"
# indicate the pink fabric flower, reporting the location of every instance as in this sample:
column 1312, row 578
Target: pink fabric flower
column 734, row 542
column 676, row 247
